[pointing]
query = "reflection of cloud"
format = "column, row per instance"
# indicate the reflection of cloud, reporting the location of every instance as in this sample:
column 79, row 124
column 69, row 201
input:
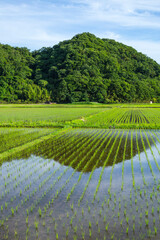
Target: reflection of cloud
column 44, row 23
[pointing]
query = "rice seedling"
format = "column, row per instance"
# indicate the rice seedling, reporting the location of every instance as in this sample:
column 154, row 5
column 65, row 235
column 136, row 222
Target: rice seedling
column 43, row 185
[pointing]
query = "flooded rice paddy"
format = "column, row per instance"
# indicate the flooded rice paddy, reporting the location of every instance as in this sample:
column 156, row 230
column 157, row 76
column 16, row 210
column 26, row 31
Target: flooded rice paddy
column 82, row 184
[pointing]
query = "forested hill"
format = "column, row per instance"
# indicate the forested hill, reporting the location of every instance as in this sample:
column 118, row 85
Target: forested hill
column 85, row 68
column 16, row 83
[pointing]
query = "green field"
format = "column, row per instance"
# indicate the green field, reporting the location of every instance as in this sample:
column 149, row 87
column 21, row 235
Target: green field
column 79, row 172
column 45, row 116
column 89, row 116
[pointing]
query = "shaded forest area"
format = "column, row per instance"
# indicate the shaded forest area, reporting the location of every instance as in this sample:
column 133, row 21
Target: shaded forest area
column 83, row 69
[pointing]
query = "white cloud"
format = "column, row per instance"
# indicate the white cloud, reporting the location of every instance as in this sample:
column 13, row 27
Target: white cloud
column 110, row 35
column 146, row 47
column 137, row 13
column 23, row 23
column 39, row 23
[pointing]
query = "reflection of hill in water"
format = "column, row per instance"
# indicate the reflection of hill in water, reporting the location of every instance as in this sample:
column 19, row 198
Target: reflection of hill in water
column 81, row 146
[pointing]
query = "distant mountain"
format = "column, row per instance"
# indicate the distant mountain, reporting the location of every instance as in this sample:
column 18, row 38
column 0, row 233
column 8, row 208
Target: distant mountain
column 85, row 68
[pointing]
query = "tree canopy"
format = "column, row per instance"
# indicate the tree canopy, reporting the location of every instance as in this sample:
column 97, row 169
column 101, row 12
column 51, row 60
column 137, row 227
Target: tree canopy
column 16, row 83
column 85, row 68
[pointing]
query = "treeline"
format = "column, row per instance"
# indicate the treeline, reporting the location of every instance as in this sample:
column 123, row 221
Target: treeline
column 83, row 69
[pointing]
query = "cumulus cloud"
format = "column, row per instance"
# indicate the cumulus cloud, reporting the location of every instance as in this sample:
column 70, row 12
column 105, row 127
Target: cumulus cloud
column 39, row 23
column 124, row 13
column 146, row 47
column 110, row 35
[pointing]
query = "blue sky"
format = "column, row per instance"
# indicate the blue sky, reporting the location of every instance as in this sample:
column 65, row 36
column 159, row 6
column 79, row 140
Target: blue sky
column 43, row 23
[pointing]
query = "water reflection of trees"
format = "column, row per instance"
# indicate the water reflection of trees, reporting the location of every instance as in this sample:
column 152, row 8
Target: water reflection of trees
column 71, row 154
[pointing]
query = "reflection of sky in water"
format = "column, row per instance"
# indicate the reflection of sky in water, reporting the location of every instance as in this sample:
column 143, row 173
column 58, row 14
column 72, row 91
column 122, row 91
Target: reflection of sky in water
column 117, row 173
column 49, row 169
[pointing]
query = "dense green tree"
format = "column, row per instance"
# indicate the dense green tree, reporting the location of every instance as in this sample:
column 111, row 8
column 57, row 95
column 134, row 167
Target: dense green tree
column 16, row 83
column 85, row 68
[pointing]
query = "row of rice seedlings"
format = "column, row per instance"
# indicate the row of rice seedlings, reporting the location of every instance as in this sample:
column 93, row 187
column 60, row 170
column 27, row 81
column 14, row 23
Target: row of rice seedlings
column 28, row 176
column 10, row 166
column 118, row 116
column 63, row 139
column 10, row 180
column 74, row 228
column 154, row 141
column 52, row 185
column 139, row 116
column 8, row 136
column 100, row 118
column 11, row 169
column 43, row 150
column 95, row 165
column 125, row 212
column 134, row 117
column 144, row 118
column 114, row 161
column 27, row 187
column 157, row 133
column 64, row 185
column 152, row 151
column 105, row 162
column 9, row 132
column 16, row 177
column 7, row 140
column 58, row 179
column 153, row 115
column 144, row 181
column 22, row 139
column 70, row 148
column 156, row 136
column 124, row 116
column 84, row 142
column 110, row 117
column 133, row 179
column 129, row 117
column 121, row 118
column 147, row 156
column 54, row 144
column 24, row 149
column 82, row 148
column 124, row 152
column 94, row 146
column 126, row 230
column 16, row 169
column 59, row 147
